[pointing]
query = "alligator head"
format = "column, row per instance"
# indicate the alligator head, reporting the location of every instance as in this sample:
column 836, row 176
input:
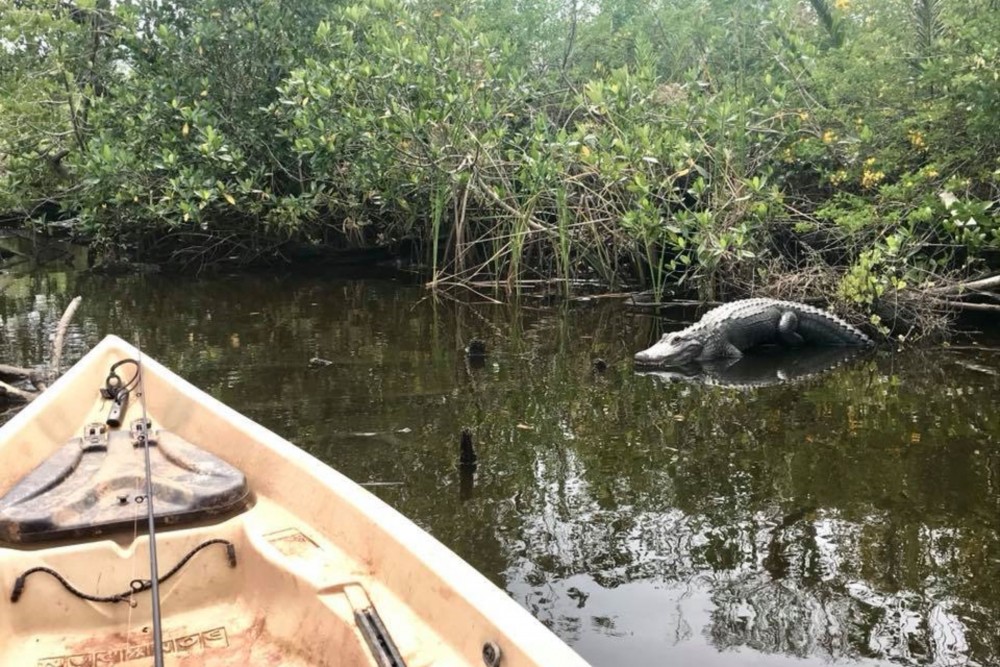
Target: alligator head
column 674, row 349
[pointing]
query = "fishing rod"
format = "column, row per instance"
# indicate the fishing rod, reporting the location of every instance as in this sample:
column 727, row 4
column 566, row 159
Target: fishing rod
column 154, row 570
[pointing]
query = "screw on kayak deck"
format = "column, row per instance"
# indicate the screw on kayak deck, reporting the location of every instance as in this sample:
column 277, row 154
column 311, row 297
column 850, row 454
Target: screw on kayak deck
column 491, row 654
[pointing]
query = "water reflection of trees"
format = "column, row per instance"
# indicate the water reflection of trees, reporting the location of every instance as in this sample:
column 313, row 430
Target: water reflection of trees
column 850, row 516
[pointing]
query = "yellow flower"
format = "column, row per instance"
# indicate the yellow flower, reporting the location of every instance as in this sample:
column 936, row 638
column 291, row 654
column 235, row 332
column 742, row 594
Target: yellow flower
column 838, row 177
column 842, row 5
column 829, row 137
column 870, row 179
column 916, row 139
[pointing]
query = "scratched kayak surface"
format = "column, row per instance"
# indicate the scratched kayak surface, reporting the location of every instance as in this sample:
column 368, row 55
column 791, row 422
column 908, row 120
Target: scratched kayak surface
column 845, row 518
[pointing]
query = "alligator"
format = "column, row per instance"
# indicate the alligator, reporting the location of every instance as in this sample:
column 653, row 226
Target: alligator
column 762, row 369
column 733, row 328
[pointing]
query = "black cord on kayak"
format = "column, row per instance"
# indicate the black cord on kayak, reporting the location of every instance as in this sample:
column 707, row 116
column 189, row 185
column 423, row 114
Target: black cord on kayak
column 137, row 586
column 114, row 383
column 117, row 390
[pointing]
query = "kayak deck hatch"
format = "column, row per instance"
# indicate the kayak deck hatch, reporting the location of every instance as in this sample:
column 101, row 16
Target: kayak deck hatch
column 95, row 484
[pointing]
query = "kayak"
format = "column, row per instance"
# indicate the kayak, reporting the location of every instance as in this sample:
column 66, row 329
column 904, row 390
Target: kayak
column 265, row 555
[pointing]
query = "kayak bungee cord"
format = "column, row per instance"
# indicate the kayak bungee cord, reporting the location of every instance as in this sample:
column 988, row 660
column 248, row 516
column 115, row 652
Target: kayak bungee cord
column 142, row 436
column 118, row 391
column 136, row 586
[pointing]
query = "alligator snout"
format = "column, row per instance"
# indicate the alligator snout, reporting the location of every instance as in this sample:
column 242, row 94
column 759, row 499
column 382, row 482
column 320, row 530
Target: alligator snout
column 653, row 356
column 646, row 358
column 674, row 349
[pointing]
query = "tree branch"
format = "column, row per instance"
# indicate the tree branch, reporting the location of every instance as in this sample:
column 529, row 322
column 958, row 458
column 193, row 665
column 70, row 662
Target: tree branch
column 971, row 286
column 57, row 343
column 965, row 305
column 19, row 395
column 8, row 372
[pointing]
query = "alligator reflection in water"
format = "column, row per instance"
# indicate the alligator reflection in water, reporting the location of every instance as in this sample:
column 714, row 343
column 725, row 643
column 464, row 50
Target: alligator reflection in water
column 764, row 367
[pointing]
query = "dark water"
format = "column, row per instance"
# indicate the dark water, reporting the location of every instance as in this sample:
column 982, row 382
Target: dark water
column 849, row 519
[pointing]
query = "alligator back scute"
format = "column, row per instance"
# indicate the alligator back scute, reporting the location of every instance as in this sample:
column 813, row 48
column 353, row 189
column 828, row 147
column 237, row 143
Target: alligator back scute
column 823, row 328
column 814, row 325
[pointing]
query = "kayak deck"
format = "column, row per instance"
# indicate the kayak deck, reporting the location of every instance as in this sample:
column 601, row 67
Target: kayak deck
column 307, row 568
column 291, row 600
column 94, row 484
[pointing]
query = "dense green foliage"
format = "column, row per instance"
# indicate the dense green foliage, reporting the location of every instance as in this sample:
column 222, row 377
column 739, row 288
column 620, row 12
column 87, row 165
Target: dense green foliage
column 847, row 147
